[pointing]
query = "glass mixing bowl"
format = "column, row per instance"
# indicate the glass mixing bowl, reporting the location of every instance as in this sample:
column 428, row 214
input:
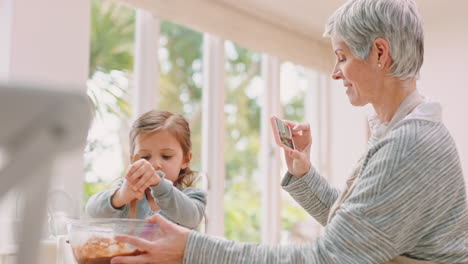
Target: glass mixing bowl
column 93, row 242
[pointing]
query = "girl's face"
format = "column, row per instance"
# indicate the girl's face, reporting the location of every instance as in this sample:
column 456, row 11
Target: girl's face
column 360, row 77
column 163, row 151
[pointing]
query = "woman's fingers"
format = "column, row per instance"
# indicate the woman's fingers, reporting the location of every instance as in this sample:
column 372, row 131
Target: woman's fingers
column 298, row 162
column 163, row 223
column 291, row 124
column 294, row 154
column 297, row 126
column 301, row 127
column 168, row 247
column 298, row 129
column 140, row 243
column 301, row 130
column 154, row 219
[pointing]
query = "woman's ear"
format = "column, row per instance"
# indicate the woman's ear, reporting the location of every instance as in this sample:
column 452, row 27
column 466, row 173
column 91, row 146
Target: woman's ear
column 187, row 160
column 381, row 50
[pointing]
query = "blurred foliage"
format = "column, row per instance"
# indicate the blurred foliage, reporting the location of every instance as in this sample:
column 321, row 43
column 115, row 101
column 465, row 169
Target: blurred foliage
column 180, row 65
column 110, row 66
column 242, row 212
column 291, row 215
column 112, row 37
column 242, row 115
column 295, row 109
column 180, row 89
column 90, row 188
column 111, row 49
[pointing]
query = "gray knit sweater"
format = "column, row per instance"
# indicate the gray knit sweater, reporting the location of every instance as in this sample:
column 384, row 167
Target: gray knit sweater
column 185, row 207
column 409, row 200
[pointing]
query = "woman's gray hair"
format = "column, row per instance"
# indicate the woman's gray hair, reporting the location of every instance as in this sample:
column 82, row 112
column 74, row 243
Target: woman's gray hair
column 360, row 22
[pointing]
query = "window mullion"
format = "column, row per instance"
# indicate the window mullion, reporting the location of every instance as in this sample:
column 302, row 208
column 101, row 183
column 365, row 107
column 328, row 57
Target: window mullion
column 270, row 161
column 213, row 130
column 146, row 90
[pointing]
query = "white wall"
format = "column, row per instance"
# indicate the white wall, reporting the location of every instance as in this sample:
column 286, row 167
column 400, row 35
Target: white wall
column 48, row 40
column 444, row 76
column 249, row 31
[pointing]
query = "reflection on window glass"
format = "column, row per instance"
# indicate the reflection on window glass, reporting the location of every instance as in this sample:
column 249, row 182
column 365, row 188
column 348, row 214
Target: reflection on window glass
column 242, row 112
column 297, row 225
column 180, row 78
column 111, row 64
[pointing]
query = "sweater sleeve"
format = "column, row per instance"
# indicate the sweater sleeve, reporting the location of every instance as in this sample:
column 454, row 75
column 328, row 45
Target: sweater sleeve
column 382, row 219
column 186, row 207
column 313, row 193
column 99, row 205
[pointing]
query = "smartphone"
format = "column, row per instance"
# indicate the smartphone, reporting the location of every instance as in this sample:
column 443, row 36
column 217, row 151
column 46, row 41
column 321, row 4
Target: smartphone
column 282, row 132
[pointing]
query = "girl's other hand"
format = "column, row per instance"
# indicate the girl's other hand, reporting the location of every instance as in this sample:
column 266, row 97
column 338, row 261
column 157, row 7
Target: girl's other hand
column 141, row 175
column 298, row 160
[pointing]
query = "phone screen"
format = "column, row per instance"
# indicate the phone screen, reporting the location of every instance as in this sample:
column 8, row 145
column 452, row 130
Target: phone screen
column 284, row 133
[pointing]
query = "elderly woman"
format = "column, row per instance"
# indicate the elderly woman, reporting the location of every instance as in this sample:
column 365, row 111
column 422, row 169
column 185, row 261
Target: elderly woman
column 405, row 202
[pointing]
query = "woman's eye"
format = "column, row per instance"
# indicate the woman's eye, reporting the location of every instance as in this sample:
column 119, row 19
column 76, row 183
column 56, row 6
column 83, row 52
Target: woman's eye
column 146, row 157
column 166, row 157
column 341, row 59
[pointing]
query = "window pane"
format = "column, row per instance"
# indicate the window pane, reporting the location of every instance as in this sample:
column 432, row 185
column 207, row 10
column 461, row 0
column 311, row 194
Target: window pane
column 297, row 225
column 111, row 64
column 242, row 115
column 180, row 78
column 107, row 155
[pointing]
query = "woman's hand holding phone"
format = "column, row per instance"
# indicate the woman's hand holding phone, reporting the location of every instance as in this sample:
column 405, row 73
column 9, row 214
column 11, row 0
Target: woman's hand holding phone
column 298, row 159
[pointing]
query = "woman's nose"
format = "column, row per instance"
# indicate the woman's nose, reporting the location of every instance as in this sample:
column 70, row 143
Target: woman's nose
column 336, row 73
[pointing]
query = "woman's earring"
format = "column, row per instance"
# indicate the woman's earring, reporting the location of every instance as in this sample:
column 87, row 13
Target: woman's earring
column 379, row 65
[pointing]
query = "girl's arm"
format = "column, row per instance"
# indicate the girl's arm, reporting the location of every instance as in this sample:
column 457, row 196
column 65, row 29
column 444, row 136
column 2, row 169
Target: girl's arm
column 186, row 207
column 100, row 206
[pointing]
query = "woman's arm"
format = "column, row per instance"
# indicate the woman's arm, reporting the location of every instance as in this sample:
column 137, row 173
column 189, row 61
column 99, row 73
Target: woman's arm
column 186, row 207
column 394, row 209
column 313, row 193
column 302, row 181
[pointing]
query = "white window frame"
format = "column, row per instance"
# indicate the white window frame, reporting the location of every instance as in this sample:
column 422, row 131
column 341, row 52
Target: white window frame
column 317, row 113
column 213, row 130
column 269, row 154
column 146, row 89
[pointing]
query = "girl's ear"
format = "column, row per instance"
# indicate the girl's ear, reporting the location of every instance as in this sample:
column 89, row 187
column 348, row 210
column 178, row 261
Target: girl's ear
column 187, row 160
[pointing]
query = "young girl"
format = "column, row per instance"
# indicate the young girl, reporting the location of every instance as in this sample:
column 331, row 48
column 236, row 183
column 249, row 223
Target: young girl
column 159, row 179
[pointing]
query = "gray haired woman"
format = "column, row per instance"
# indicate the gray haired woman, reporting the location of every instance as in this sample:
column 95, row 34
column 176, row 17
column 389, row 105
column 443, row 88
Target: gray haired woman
column 405, row 201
